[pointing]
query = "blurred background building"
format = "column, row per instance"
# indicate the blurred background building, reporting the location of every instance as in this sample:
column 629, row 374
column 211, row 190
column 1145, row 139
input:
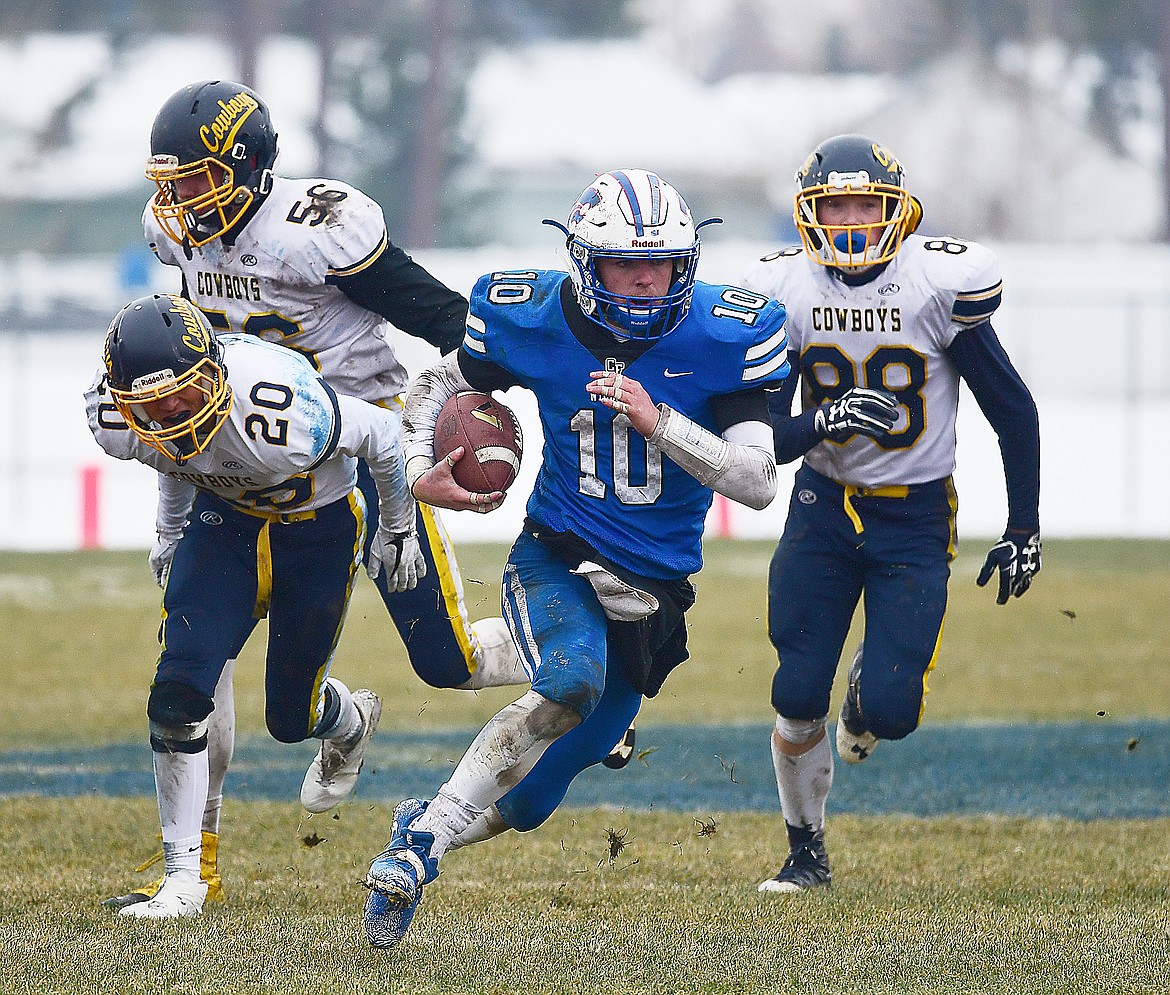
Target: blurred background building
column 1038, row 126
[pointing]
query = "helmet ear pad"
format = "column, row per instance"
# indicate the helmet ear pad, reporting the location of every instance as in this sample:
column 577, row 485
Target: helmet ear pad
column 913, row 217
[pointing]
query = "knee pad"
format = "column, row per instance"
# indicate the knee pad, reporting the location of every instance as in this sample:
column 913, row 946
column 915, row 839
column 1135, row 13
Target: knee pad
column 799, row 730
column 577, row 692
column 797, row 691
column 178, row 718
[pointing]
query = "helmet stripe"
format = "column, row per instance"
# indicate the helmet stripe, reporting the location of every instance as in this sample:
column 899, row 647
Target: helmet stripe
column 632, row 197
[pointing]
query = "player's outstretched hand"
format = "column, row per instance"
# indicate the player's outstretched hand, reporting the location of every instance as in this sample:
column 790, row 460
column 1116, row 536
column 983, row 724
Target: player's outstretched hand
column 438, row 488
column 626, row 396
column 397, row 553
column 1017, row 558
column 859, row 410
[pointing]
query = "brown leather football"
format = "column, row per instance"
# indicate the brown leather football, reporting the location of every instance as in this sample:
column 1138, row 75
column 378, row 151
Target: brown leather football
column 489, row 433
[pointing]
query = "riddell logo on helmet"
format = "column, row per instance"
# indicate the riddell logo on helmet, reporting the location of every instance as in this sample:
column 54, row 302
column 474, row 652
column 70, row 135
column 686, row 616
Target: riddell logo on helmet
column 648, row 243
column 231, row 117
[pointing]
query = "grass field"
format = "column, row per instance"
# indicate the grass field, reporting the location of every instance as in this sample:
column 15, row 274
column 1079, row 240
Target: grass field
column 981, row 904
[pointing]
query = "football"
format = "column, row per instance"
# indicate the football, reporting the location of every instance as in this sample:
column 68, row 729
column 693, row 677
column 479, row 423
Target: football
column 489, row 433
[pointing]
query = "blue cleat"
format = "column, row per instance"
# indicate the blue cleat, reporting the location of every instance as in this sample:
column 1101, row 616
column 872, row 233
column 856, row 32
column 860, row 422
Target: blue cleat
column 405, row 812
column 396, row 877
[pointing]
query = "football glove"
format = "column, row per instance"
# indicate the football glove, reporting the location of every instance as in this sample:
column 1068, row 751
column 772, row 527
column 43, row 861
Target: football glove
column 858, row 411
column 161, row 554
column 400, row 555
column 1017, row 558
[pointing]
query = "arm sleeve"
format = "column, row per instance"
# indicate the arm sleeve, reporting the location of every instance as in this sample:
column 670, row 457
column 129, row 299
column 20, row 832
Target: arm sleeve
column 410, row 298
column 792, row 435
column 432, row 389
column 175, row 498
column 1007, row 404
column 737, row 464
column 744, row 405
column 483, row 374
column 751, row 477
column 374, row 434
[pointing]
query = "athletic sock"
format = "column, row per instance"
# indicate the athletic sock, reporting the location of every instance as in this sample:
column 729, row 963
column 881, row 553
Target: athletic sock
column 803, row 783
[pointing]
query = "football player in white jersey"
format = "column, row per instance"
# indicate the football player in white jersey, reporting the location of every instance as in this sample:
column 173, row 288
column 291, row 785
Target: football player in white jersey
column 884, row 323
column 307, row 264
column 261, row 453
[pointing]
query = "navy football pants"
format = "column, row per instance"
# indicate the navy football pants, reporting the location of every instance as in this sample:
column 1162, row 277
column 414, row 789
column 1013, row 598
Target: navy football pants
column 836, row 548
column 228, row 568
column 432, row 618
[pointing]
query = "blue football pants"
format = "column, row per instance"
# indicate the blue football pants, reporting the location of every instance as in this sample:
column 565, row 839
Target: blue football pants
column 561, row 632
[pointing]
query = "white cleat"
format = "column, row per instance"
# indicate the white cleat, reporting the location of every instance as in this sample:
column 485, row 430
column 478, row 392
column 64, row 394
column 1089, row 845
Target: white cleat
column 180, row 896
column 333, row 774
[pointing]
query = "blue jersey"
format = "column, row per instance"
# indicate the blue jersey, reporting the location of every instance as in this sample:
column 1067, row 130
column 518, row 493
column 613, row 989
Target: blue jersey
column 599, row 478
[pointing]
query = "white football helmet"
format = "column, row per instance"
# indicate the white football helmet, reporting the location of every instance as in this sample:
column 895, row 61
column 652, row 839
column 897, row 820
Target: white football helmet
column 632, row 214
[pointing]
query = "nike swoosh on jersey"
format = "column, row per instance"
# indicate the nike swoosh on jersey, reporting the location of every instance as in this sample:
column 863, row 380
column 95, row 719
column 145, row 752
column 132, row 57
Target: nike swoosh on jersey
column 680, row 373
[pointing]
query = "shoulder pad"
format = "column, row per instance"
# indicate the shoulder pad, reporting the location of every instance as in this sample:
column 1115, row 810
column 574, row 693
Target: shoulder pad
column 967, row 272
column 766, row 274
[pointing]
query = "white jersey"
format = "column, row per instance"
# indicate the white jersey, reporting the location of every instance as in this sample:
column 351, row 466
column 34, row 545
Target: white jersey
column 288, row 445
column 271, row 281
column 889, row 333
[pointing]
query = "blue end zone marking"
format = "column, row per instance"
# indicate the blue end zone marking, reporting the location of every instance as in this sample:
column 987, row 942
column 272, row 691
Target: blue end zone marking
column 1080, row 771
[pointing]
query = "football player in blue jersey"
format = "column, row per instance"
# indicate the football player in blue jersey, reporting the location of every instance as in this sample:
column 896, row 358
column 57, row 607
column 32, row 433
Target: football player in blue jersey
column 250, row 438
column 307, row 264
column 651, row 393
column 884, row 323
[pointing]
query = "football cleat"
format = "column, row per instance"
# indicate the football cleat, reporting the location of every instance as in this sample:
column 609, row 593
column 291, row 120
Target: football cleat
column 807, row 867
column 620, row 755
column 396, row 878
column 208, row 872
column 854, row 741
column 333, row 774
column 181, row 896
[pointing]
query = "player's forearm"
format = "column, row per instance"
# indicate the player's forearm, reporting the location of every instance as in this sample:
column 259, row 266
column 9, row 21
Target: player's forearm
column 739, row 465
column 792, row 435
column 375, row 435
column 427, row 395
column 1008, row 406
column 175, row 498
column 401, row 291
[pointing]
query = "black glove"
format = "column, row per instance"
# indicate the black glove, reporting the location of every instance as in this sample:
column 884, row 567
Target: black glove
column 1017, row 558
column 858, row 410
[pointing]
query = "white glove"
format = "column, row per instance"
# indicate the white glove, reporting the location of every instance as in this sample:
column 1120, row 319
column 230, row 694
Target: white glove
column 620, row 601
column 399, row 552
column 161, row 554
